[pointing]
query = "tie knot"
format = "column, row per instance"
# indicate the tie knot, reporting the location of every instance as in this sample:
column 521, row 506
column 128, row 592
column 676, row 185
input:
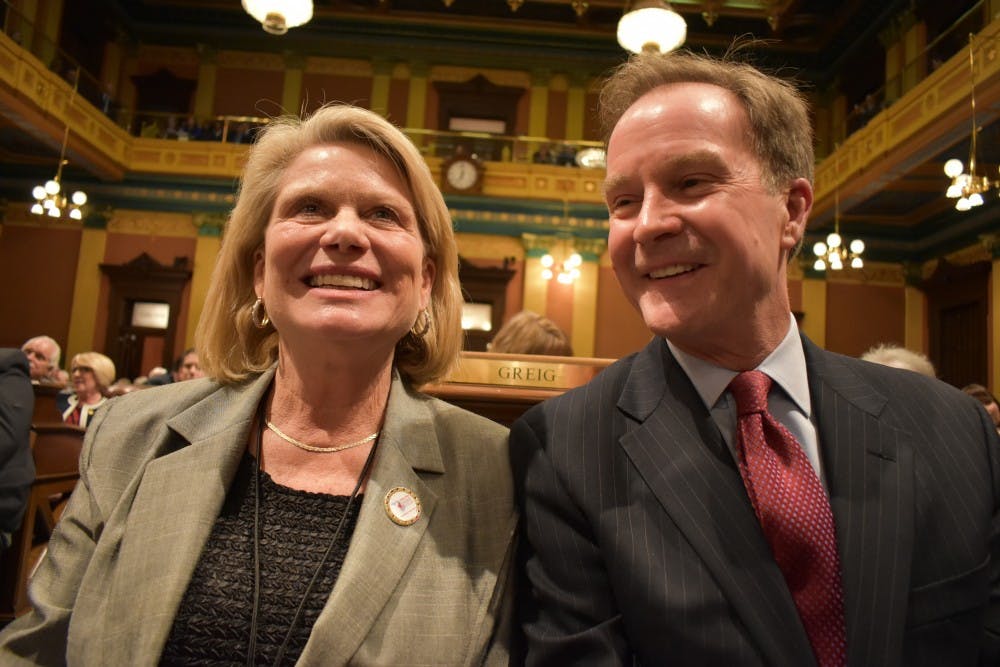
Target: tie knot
column 749, row 390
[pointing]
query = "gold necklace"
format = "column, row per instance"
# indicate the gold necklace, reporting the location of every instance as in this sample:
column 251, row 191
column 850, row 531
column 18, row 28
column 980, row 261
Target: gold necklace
column 323, row 450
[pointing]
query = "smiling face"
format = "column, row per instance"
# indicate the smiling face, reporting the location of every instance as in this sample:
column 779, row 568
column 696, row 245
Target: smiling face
column 699, row 243
column 85, row 383
column 343, row 262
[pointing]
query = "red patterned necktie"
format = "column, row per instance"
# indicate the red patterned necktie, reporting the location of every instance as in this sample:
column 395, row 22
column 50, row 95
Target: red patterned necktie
column 795, row 516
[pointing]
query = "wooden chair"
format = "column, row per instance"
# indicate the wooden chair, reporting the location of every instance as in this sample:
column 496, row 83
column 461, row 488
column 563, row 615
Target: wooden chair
column 55, row 448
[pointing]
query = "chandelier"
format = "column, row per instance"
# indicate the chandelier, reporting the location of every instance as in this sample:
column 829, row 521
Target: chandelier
column 50, row 199
column 833, row 253
column 968, row 187
column 277, row 16
column 651, row 25
column 565, row 271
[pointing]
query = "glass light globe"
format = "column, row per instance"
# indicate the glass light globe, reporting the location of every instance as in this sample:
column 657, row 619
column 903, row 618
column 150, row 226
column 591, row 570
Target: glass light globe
column 75, row 214
column 856, row 263
column 962, row 204
column 52, row 187
column 547, row 260
column 574, row 273
column 833, row 240
column 954, row 191
column 54, row 212
column 79, row 197
column 819, row 249
column 953, row 168
column 37, row 209
column 835, row 263
column 38, row 192
column 565, row 278
column 546, row 274
column 574, row 260
column 48, row 203
column 975, row 199
column 857, row 246
column 819, row 265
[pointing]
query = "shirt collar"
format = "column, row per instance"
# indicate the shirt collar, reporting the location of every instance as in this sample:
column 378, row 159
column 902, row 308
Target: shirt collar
column 786, row 365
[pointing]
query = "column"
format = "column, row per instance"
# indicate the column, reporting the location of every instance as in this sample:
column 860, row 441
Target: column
column 914, row 310
column 48, row 18
column 585, row 296
column 538, row 112
column 204, row 92
column 291, row 92
column 993, row 355
column 914, row 51
column 206, row 251
column 381, row 78
column 536, row 288
column 87, row 287
column 814, row 306
column 576, row 105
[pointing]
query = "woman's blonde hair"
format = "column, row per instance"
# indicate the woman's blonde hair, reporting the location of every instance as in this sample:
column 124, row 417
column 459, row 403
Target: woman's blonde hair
column 230, row 346
column 103, row 367
column 530, row 333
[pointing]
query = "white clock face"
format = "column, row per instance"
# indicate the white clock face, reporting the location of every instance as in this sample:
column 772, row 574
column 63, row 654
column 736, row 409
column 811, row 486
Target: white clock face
column 462, row 174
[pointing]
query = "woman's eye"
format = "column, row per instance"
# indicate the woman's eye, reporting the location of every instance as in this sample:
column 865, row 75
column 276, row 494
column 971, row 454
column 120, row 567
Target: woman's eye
column 384, row 213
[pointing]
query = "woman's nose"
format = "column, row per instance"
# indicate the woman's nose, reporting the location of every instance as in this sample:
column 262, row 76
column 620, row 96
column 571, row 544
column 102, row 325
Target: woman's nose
column 344, row 231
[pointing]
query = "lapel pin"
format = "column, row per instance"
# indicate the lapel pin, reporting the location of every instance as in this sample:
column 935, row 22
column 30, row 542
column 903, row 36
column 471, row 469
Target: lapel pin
column 402, row 506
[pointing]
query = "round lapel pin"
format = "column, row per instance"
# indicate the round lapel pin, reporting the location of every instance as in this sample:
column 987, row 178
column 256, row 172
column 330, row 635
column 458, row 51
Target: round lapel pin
column 402, row 506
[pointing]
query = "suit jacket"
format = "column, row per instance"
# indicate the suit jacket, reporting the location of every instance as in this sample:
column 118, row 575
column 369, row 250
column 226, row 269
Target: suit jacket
column 155, row 470
column 17, row 468
column 642, row 543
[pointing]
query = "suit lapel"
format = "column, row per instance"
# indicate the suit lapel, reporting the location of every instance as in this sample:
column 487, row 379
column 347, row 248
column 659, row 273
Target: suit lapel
column 869, row 471
column 380, row 551
column 678, row 450
column 168, row 522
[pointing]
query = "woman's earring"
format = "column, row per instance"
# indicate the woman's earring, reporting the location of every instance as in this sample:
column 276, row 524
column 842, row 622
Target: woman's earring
column 258, row 314
column 420, row 329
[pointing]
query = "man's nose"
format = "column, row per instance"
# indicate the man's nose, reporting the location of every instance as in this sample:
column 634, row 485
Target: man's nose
column 659, row 216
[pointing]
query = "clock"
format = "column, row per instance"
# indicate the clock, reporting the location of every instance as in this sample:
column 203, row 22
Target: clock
column 462, row 175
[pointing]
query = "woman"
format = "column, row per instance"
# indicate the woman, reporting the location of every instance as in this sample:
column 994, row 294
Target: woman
column 91, row 375
column 304, row 502
column 530, row 333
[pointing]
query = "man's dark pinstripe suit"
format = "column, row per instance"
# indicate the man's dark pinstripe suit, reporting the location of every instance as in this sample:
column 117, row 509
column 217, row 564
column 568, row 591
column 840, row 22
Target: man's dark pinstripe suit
column 641, row 543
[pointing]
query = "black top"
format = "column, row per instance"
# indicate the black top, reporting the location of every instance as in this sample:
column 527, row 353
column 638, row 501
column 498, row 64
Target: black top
column 212, row 625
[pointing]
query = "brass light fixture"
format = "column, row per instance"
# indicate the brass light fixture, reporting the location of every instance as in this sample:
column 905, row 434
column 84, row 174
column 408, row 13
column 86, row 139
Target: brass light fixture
column 968, row 186
column 833, row 253
column 50, row 200
column 277, row 16
column 651, row 25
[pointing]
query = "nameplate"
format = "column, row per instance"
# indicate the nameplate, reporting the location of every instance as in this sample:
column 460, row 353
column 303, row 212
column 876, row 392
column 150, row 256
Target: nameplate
column 525, row 370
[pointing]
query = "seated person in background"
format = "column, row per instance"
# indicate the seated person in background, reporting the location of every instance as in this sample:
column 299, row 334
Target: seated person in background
column 889, row 354
column 190, row 366
column 17, row 469
column 303, row 501
column 43, row 357
column 92, row 374
column 983, row 395
column 530, row 333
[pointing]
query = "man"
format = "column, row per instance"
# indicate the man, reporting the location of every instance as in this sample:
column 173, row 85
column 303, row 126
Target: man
column 190, row 366
column 732, row 494
column 43, row 358
column 17, row 467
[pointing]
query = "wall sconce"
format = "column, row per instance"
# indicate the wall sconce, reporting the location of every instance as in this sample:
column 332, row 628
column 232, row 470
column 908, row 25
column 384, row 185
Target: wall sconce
column 833, row 253
column 565, row 271
column 968, row 187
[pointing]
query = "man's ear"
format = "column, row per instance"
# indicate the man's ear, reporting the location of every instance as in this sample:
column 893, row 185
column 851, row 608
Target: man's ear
column 798, row 204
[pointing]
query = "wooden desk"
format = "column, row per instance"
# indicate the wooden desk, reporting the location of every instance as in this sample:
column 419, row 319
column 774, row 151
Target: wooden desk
column 45, row 404
column 503, row 386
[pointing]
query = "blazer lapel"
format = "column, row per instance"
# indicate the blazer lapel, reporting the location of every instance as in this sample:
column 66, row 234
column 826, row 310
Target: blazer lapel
column 381, row 550
column 169, row 522
column 869, row 471
column 680, row 453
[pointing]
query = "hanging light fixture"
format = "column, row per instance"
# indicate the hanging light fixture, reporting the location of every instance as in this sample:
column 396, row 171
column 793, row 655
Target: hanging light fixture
column 651, row 25
column 565, row 271
column 833, row 253
column 50, row 200
column 968, row 187
column 277, row 16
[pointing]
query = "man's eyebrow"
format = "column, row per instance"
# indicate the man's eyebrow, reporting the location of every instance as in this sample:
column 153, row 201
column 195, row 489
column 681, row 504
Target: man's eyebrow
column 694, row 159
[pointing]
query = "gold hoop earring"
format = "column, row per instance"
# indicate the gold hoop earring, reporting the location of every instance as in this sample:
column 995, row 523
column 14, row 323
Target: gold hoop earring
column 259, row 320
column 420, row 329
